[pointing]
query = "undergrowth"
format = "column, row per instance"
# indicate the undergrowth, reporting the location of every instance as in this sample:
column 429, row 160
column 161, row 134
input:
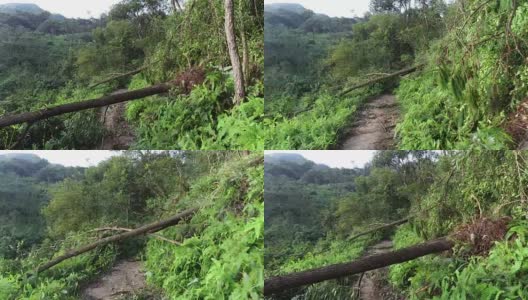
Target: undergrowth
column 59, row 283
column 201, row 120
column 221, row 255
column 320, row 126
column 497, row 276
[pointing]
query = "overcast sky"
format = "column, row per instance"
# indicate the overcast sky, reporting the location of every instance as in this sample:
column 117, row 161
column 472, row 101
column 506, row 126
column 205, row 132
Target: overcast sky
column 335, row 158
column 71, row 8
column 71, row 158
column 332, row 8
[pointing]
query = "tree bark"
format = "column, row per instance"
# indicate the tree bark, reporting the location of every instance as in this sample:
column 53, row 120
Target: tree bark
column 156, row 236
column 146, row 229
column 86, row 104
column 134, row 72
column 399, row 73
column 240, row 92
column 279, row 283
column 176, row 5
column 395, row 223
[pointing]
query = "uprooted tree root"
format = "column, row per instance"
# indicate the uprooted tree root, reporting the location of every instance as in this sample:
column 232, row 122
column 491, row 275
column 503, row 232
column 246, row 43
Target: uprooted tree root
column 481, row 235
column 190, row 78
column 516, row 124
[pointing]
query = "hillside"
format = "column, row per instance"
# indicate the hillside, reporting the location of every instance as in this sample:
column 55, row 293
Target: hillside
column 30, row 17
column 203, row 213
column 295, row 16
column 400, row 78
column 296, row 43
column 161, row 76
column 24, row 181
column 16, row 8
column 408, row 225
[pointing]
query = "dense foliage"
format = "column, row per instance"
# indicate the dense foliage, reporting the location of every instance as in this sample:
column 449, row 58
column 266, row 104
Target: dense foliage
column 470, row 94
column 217, row 252
column 454, row 194
column 312, row 209
column 475, row 77
column 308, row 65
column 481, row 185
column 25, row 178
column 46, row 68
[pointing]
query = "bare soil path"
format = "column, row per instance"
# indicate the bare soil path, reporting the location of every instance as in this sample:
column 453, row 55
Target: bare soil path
column 374, row 128
column 119, row 134
column 374, row 285
column 126, row 278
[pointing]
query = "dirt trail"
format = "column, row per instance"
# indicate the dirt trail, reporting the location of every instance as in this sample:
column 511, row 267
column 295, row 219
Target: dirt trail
column 374, row 128
column 124, row 279
column 119, row 135
column 374, row 285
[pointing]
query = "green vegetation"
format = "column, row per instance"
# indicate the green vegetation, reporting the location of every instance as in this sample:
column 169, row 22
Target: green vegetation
column 472, row 198
column 470, row 93
column 475, row 77
column 215, row 253
column 310, row 58
column 49, row 60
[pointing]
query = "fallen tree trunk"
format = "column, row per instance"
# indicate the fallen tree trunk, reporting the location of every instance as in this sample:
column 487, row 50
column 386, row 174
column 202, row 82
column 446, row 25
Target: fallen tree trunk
column 395, row 223
column 154, row 227
column 280, row 283
column 87, row 104
column 156, row 236
column 134, row 72
column 399, row 73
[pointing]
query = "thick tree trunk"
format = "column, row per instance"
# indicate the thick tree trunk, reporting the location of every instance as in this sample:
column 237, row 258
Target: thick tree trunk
column 87, row 104
column 279, row 283
column 240, row 92
column 399, row 73
column 245, row 58
column 395, row 223
column 150, row 228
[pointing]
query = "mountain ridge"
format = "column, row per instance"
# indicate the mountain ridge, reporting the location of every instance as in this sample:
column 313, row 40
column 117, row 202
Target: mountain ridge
column 14, row 8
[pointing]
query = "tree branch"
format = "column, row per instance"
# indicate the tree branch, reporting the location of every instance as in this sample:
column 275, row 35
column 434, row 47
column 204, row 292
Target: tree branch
column 395, row 223
column 134, row 72
column 146, row 229
column 157, row 236
column 399, row 73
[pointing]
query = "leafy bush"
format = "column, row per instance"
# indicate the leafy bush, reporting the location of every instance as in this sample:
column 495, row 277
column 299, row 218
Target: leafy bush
column 199, row 120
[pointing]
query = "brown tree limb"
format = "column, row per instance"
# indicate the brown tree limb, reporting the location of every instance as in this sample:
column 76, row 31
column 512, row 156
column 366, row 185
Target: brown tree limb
column 157, row 236
column 396, row 74
column 87, row 104
column 395, row 223
column 280, row 283
column 134, row 72
column 146, row 229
